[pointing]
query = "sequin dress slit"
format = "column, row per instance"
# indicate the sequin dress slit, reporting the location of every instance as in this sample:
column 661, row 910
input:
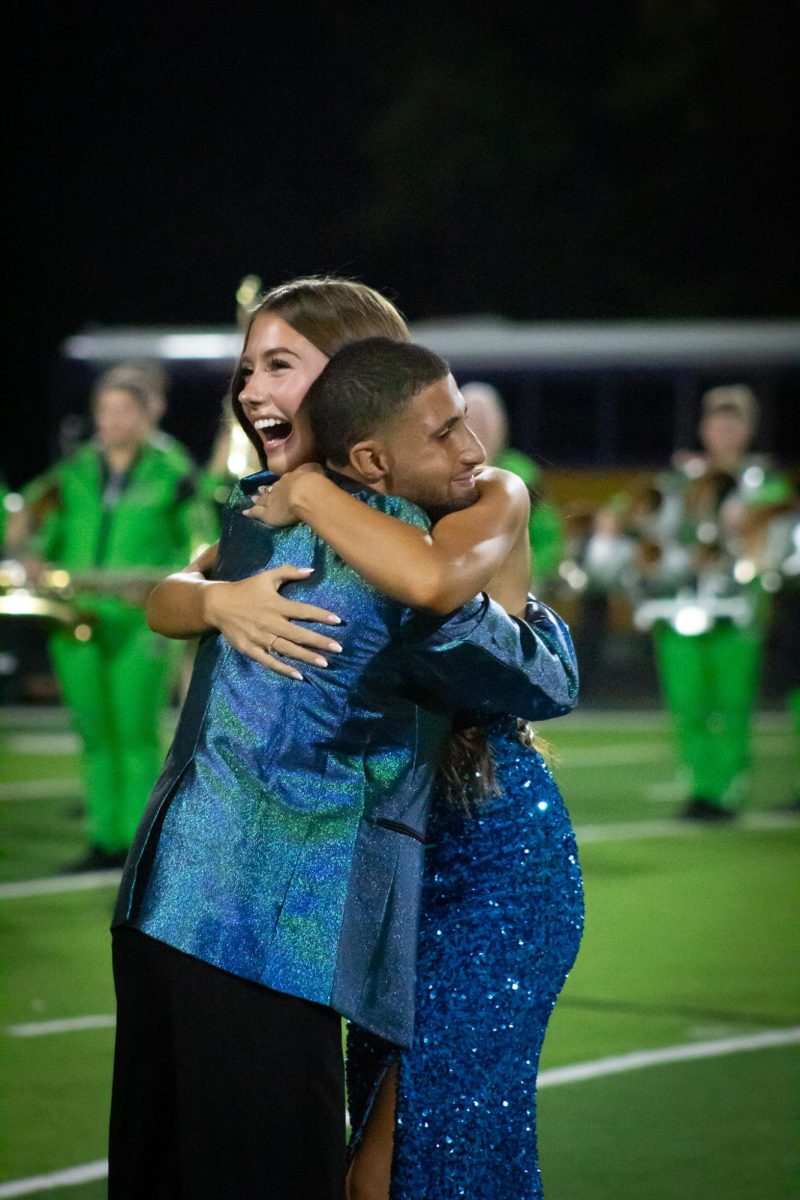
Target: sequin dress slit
column 502, row 918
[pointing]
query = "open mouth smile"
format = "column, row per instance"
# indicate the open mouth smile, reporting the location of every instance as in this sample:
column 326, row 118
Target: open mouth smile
column 274, row 431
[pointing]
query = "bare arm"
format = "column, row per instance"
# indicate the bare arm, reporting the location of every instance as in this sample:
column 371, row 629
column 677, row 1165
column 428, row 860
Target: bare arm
column 438, row 571
column 250, row 613
column 177, row 606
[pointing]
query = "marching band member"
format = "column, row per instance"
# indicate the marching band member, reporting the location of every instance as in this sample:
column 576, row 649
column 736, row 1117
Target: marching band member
column 115, row 516
column 704, row 576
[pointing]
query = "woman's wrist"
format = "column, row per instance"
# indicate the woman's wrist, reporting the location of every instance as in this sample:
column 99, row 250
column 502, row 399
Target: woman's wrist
column 212, row 599
column 306, row 494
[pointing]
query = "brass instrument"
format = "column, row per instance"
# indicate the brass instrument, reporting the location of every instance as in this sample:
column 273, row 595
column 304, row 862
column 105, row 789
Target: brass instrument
column 122, row 585
column 54, row 595
column 21, row 597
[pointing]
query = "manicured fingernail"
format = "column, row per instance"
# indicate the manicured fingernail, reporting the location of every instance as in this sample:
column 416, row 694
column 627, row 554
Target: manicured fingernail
column 296, row 675
column 335, row 647
column 306, row 570
column 321, row 662
column 332, row 619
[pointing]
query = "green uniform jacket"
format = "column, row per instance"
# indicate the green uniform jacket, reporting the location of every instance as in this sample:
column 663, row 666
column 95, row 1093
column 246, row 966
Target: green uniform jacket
column 545, row 526
column 147, row 526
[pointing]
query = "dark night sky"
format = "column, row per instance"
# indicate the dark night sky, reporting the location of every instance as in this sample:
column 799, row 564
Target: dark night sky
column 558, row 160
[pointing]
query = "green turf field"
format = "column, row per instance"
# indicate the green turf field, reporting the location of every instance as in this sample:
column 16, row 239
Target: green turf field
column 690, row 943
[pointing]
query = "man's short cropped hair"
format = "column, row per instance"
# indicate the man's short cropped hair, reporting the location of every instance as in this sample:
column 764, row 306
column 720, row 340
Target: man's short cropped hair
column 364, row 387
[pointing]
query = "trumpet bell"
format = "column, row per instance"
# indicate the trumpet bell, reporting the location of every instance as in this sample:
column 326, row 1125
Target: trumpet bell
column 28, row 603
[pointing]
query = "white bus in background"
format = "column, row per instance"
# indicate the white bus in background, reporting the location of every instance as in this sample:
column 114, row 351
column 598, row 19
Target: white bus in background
column 607, row 394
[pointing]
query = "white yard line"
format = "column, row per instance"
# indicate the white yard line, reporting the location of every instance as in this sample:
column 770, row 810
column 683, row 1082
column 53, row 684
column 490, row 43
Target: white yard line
column 655, row 719
column 45, row 743
column 627, row 831
column 618, row 1064
column 40, row 789
column 56, row 885
column 610, row 755
column 33, row 716
column 56, row 1179
column 67, row 1025
column 624, row 754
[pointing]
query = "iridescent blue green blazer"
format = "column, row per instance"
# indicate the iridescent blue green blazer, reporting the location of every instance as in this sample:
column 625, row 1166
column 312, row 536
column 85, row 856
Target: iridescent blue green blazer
column 284, row 839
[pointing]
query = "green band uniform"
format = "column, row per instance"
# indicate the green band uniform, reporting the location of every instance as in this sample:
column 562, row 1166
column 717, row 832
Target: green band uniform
column 115, row 684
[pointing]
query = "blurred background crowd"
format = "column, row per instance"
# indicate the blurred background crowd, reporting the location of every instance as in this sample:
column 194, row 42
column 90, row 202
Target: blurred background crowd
column 680, row 578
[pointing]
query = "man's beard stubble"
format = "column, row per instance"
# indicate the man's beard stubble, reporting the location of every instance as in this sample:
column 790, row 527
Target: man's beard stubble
column 456, row 504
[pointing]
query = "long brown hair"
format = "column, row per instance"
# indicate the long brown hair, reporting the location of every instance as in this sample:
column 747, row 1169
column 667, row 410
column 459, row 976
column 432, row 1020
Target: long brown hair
column 330, row 312
column 467, row 772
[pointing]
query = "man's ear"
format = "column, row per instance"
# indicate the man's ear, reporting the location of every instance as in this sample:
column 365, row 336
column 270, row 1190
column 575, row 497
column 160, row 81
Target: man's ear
column 369, row 459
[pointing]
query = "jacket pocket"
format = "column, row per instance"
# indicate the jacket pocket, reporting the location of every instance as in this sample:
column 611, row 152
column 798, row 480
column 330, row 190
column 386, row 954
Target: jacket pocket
column 399, row 827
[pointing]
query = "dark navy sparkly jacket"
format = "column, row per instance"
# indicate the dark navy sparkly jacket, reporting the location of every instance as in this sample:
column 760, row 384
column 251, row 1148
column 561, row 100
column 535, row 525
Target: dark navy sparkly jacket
column 284, row 839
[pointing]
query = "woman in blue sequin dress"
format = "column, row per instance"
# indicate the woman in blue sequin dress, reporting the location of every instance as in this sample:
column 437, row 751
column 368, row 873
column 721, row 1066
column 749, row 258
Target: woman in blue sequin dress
column 502, row 915
column 502, row 898
column 502, row 911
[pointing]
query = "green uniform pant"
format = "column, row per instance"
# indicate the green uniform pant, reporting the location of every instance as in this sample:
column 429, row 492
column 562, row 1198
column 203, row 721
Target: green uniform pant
column 794, row 708
column 710, row 684
column 116, row 686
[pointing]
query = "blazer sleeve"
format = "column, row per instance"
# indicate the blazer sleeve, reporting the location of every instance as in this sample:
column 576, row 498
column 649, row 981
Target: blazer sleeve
column 482, row 659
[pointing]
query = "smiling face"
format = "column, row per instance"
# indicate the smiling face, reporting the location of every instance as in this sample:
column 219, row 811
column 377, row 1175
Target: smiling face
column 278, row 366
column 431, row 452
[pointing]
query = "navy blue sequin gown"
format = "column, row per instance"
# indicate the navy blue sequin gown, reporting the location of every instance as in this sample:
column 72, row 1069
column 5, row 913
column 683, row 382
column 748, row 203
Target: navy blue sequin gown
column 502, row 917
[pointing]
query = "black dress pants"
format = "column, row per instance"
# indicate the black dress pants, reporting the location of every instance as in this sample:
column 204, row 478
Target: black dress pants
column 223, row 1089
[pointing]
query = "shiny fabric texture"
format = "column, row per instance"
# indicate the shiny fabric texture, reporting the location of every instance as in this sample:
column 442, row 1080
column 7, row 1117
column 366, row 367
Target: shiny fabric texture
column 501, row 923
column 284, row 839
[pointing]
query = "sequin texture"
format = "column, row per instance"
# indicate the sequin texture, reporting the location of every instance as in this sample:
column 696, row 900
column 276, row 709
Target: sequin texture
column 502, row 918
